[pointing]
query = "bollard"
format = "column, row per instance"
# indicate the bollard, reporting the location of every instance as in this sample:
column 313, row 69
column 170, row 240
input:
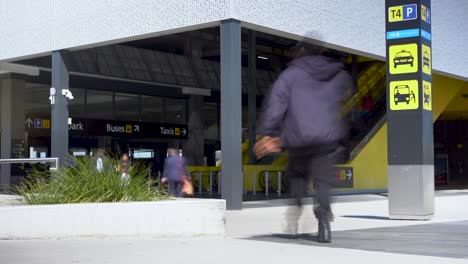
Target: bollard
column 200, row 183
column 244, row 190
column 159, row 176
column 254, row 183
column 211, row 183
column 219, row 182
column 280, row 174
column 267, row 174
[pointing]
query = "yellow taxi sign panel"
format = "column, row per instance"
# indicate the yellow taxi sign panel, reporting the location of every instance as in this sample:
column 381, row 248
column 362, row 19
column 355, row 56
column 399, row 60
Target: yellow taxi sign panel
column 403, row 58
column 427, row 96
column 404, row 95
column 128, row 129
column 46, row 123
column 426, row 59
column 177, row 131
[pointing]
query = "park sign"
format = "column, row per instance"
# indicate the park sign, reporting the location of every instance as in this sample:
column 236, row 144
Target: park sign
column 94, row 127
column 409, row 108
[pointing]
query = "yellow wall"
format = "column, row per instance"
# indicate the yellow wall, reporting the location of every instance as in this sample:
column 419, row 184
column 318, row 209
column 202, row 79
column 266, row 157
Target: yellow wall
column 458, row 107
column 445, row 91
column 371, row 164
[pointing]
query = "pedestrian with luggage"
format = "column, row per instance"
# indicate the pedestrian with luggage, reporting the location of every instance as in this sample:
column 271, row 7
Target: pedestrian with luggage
column 175, row 172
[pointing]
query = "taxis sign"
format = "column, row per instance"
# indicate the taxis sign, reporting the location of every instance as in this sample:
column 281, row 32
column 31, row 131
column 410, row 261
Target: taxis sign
column 402, row 13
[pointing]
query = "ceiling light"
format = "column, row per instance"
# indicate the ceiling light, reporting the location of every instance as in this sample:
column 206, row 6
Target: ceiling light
column 196, row 91
column 262, row 58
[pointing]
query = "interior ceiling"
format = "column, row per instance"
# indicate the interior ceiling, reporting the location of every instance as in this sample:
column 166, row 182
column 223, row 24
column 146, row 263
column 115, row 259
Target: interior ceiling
column 161, row 61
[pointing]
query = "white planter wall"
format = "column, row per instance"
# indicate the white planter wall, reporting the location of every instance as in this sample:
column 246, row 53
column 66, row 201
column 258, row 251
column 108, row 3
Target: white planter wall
column 178, row 218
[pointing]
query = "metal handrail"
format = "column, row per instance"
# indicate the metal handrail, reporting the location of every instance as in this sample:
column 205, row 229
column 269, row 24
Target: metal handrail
column 54, row 161
column 211, row 173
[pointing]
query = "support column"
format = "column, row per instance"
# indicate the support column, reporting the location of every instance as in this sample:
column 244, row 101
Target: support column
column 409, row 111
column 195, row 146
column 59, row 132
column 194, row 149
column 231, row 114
column 252, row 95
column 11, row 124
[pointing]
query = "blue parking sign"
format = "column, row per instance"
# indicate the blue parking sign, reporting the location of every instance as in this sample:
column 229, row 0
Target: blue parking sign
column 37, row 123
column 410, row 12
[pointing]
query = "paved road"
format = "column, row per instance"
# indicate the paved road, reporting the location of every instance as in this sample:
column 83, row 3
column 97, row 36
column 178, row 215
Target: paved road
column 207, row 251
column 362, row 233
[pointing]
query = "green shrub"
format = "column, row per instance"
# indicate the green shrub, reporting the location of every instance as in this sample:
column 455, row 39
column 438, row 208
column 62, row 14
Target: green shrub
column 82, row 183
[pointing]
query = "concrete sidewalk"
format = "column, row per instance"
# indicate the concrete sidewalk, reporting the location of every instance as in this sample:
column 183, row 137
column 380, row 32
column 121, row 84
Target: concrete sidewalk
column 362, row 233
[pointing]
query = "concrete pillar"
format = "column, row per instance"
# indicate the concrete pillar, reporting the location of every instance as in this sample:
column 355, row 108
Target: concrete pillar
column 409, row 115
column 231, row 114
column 252, row 95
column 59, row 133
column 195, row 145
column 11, row 123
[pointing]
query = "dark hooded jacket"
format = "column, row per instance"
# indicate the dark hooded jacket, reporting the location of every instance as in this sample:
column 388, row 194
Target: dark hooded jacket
column 304, row 104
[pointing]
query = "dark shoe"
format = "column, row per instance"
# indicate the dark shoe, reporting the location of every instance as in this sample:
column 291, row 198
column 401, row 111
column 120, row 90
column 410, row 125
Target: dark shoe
column 320, row 215
column 324, row 232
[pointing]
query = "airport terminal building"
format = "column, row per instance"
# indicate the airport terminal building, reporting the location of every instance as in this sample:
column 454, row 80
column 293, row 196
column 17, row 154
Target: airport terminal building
column 140, row 76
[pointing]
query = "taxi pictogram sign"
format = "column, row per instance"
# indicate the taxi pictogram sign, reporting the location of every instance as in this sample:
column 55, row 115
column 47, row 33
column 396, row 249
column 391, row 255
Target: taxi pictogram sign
column 404, row 95
column 426, row 59
column 403, row 58
column 427, row 96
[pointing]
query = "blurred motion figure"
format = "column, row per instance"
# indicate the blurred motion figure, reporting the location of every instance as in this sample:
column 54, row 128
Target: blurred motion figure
column 302, row 114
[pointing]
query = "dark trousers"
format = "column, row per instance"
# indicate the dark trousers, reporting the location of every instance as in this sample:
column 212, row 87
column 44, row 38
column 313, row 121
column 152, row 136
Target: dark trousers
column 175, row 188
column 312, row 164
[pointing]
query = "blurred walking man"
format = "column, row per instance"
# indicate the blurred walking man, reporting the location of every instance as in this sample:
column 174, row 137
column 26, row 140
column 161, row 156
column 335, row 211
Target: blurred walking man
column 301, row 113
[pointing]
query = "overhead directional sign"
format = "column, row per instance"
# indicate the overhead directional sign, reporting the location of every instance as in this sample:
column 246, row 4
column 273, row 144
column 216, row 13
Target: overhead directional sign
column 96, row 127
column 402, row 13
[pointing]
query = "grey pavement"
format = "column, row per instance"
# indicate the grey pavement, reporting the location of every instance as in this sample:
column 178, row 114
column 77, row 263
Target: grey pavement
column 362, row 233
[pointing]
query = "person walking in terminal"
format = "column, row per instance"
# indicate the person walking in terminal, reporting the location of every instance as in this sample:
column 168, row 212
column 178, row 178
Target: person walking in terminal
column 174, row 172
column 124, row 167
column 100, row 160
column 300, row 113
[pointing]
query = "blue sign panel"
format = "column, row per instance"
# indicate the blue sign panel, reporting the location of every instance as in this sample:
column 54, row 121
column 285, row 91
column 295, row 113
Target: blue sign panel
column 410, row 12
column 426, row 35
column 407, row 33
column 37, row 123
